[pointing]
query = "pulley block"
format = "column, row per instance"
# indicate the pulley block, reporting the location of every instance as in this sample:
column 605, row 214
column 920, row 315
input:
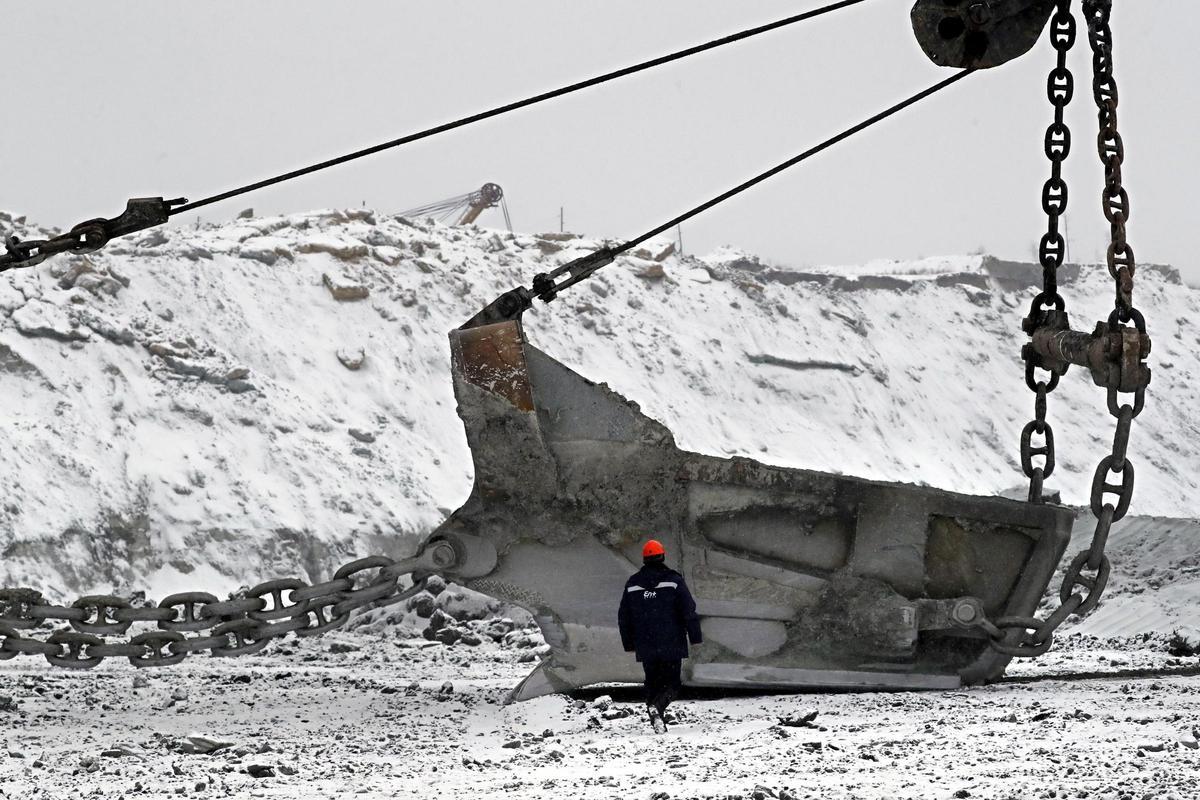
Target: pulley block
column 979, row 33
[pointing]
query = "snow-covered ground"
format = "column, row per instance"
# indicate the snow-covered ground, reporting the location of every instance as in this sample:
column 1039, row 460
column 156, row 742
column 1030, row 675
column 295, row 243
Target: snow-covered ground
column 389, row 720
column 204, row 408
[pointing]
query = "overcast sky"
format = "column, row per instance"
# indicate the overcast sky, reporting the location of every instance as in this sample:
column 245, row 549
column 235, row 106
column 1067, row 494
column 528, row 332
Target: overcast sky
column 105, row 101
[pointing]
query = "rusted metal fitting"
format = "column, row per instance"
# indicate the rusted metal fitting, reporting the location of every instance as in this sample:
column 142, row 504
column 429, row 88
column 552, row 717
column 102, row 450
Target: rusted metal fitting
column 459, row 555
column 951, row 614
column 442, row 555
column 1115, row 355
column 140, row 213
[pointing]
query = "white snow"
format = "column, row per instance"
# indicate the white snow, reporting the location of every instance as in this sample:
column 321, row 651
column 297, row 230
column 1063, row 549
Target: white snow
column 178, row 415
column 371, row 717
column 176, row 411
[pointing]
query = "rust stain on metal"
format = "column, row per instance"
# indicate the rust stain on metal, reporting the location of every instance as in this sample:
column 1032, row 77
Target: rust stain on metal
column 492, row 357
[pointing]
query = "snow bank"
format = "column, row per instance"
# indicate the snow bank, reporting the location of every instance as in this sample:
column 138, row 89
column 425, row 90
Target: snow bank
column 203, row 408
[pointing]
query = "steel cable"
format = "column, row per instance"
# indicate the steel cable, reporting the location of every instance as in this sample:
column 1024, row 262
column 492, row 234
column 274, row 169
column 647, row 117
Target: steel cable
column 519, row 104
column 587, row 265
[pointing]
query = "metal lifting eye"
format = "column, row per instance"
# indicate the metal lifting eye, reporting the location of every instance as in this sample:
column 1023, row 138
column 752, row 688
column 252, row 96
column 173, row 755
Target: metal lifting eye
column 951, row 28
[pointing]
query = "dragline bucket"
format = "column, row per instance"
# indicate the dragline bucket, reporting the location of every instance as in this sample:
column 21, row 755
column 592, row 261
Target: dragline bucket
column 801, row 578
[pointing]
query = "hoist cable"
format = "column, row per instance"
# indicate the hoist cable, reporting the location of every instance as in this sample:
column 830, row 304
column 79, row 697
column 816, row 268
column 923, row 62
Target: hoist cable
column 441, row 205
column 791, row 162
column 529, row 101
column 507, row 218
column 582, row 268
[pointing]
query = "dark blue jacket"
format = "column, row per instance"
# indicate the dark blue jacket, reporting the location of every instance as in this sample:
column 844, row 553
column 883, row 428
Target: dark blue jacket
column 657, row 617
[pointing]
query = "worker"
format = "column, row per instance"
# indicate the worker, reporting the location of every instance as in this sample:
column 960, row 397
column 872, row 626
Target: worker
column 657, row 619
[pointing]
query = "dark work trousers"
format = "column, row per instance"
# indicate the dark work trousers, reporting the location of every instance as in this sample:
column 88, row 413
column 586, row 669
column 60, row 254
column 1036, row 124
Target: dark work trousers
column 662, row 682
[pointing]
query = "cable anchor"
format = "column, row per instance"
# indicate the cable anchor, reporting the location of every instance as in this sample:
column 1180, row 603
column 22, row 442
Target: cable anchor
column 86, row 237
column 546, row 286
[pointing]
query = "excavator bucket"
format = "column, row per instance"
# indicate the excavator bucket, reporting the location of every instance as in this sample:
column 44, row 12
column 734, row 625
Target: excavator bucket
column 801, row 578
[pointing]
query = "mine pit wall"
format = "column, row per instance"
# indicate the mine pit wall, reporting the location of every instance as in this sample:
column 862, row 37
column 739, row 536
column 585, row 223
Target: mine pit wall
column 180, row 335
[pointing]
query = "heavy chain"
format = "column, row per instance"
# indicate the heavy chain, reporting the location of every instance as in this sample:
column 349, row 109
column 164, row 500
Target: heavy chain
column 1086, row 577
column 23, row 254
column 1060, row 87
column 235, row 627
column 1121, row 263
column 86, row 237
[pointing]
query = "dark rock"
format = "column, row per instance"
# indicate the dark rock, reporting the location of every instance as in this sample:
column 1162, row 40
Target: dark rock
column 423, row 605
column 805, row 721
column 1181, row 647
column 440, row 619
column 448, row 635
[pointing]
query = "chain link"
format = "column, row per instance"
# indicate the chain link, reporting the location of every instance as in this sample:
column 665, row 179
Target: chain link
column 1060, row 89
column 1087, row 575
column 235, row 627
column 84, row 238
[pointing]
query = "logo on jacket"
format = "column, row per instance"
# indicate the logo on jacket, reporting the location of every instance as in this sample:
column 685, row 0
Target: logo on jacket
column 649, row 595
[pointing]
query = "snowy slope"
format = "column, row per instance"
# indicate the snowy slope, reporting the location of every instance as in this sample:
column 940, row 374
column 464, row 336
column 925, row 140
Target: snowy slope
column 1155, row 583
column 180, row 413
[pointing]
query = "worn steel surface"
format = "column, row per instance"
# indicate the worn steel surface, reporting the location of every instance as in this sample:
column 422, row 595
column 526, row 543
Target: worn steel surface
column 801, row 578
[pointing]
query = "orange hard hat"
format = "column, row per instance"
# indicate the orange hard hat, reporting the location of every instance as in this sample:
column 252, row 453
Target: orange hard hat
column 653, row 548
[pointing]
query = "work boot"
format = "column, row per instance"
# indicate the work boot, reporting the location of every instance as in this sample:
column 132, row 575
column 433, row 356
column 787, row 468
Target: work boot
column 661, row 708
column 656, row 720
